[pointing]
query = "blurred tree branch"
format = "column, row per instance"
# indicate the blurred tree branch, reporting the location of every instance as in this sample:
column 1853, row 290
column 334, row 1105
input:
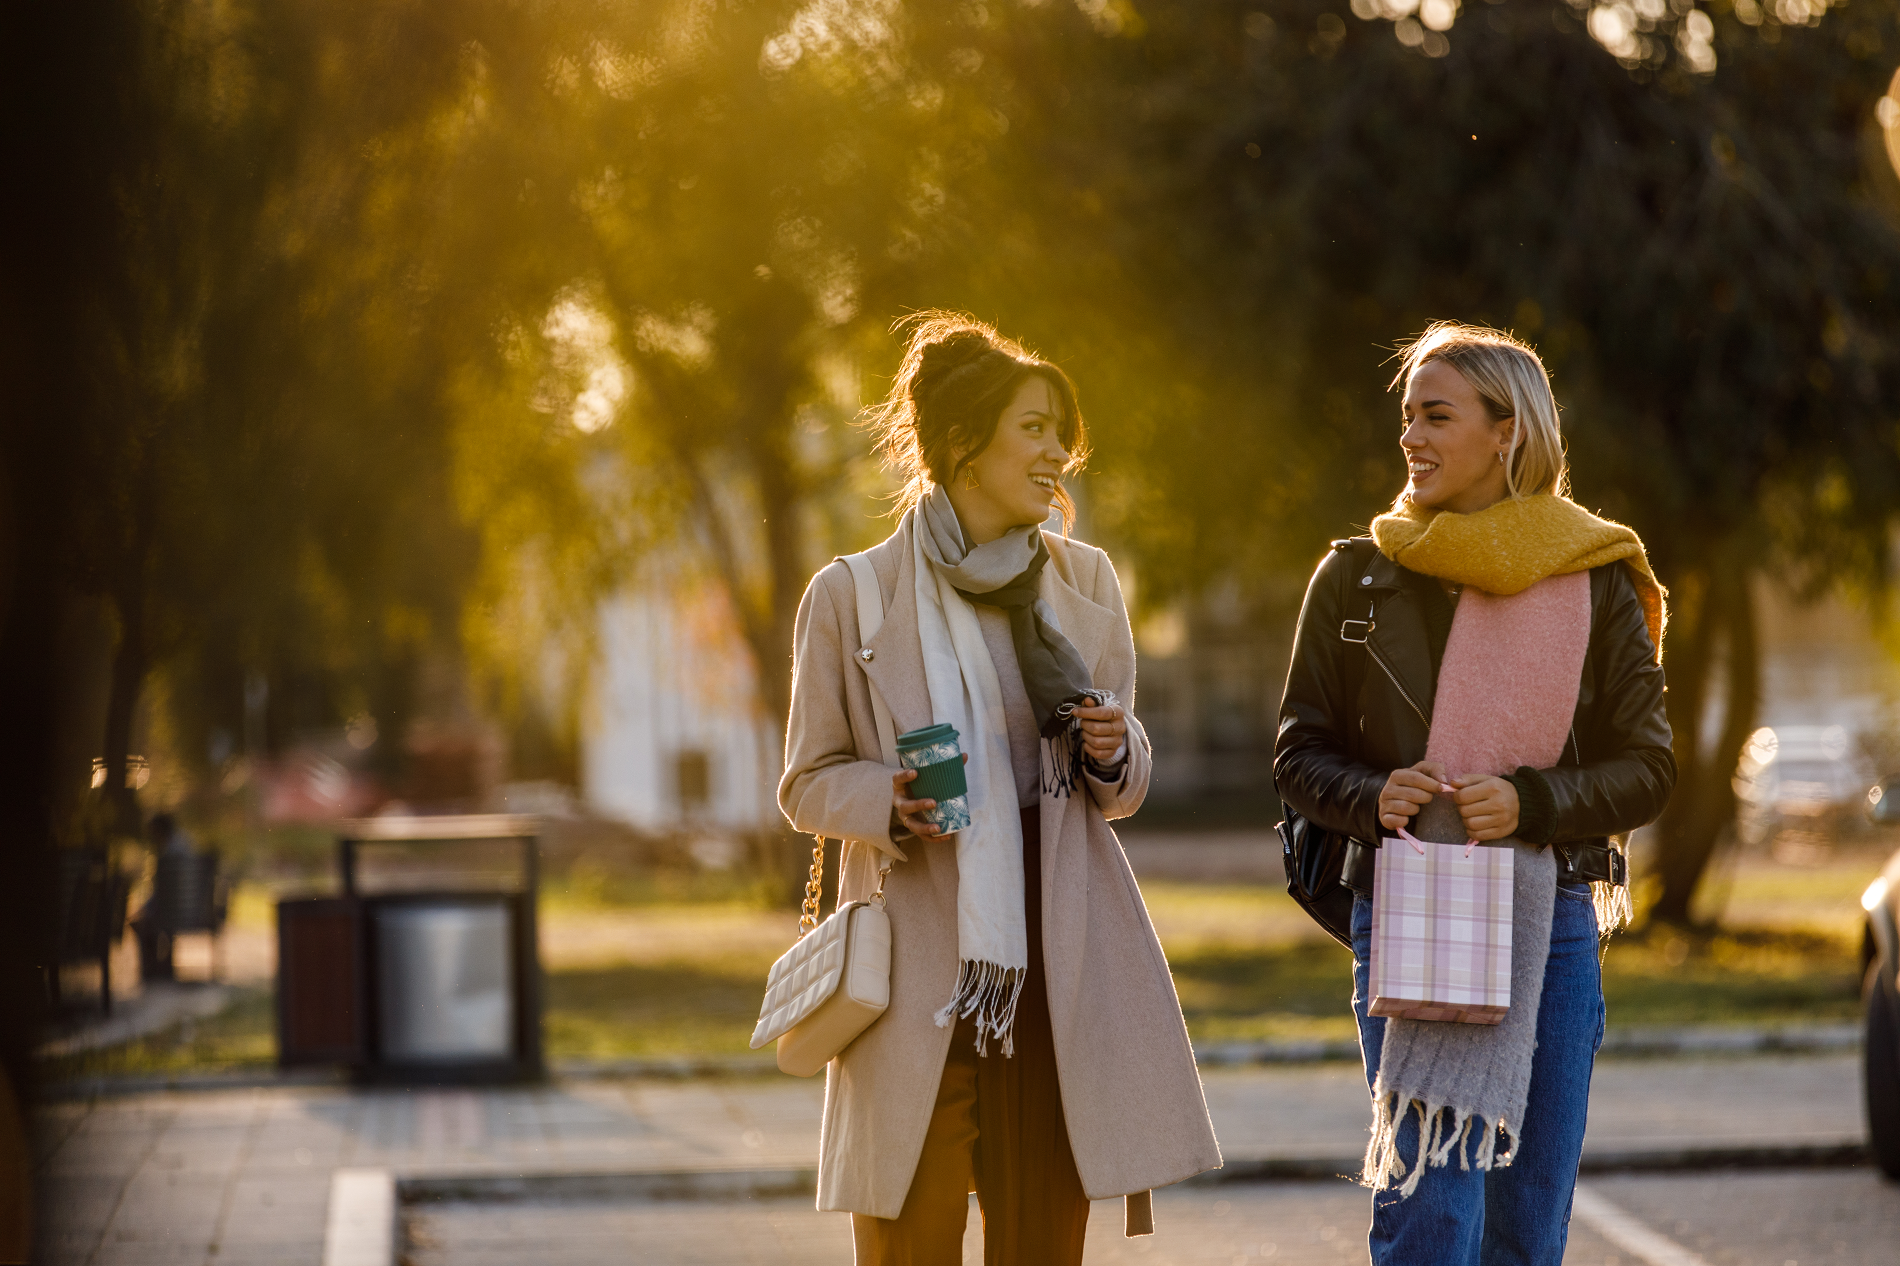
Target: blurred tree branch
column 410, row 327
column 1680, row 213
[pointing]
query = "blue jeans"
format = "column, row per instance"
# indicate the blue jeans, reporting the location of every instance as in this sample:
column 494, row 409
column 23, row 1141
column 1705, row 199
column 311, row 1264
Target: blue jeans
column 1519, row 1213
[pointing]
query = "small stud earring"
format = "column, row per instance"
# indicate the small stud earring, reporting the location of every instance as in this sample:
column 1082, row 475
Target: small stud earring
column 969, row 478
column 1500, row 457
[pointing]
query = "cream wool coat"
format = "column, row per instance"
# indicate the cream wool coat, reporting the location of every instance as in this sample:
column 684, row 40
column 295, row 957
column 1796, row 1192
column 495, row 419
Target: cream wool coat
column 1130, row 1091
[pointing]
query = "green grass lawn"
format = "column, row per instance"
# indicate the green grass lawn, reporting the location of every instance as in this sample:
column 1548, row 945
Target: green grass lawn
column 1234, row 992
column 685, row 979
column 1247, row 966
column 702, row 1006
column 1750, row 977
column 1745, row 976
column 243, row 1035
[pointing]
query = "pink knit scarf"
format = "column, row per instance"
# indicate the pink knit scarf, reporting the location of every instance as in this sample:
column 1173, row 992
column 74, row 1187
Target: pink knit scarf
column 1507, row 691
column 1507, row 688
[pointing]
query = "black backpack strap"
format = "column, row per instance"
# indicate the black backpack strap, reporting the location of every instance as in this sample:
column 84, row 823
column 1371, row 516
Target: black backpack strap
column 1315, row 858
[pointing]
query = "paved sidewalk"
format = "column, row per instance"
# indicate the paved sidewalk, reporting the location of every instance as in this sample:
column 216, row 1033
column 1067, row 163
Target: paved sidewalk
column 243, row 1176
column 158, row 1005
column 1730, row 1218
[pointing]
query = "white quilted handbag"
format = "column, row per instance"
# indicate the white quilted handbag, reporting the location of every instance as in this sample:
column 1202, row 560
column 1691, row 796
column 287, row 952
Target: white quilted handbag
column 830, row 985
column 835, row 980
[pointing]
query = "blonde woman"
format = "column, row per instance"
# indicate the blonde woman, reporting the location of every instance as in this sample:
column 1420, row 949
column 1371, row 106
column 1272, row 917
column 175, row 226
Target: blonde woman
column 1397, row 677
column 1034, row 1050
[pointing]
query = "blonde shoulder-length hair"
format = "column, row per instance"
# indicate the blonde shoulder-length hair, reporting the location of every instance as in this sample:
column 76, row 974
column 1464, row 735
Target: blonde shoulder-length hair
column 1509, row 377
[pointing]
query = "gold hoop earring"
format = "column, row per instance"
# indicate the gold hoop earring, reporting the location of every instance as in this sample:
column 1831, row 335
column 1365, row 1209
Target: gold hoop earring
column 969, row 478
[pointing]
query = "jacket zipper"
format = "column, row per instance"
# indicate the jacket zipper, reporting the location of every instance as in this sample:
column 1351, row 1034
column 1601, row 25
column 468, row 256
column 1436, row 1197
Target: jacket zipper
column 1403, row 692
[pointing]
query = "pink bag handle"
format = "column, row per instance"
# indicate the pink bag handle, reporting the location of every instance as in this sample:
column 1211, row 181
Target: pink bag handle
column 1409, row 838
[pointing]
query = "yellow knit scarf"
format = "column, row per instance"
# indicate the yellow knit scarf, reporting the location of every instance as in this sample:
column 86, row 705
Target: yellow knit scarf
column 1512, row 545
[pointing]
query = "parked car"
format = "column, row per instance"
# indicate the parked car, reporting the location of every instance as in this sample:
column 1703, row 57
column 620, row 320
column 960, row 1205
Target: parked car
column 1884, row 809
column 1798, row 778
column 1880, row 999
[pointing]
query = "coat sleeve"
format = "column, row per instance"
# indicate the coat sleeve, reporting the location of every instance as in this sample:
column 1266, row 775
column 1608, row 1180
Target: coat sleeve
column 1631, row 767
column 1121, row 797
column 1312, row 770
column 826, row 790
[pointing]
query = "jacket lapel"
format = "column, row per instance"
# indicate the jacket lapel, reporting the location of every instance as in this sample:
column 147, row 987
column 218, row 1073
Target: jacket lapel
column 1092, row 628
column 896, row 665
column 1087, row 624
column 1400, row 651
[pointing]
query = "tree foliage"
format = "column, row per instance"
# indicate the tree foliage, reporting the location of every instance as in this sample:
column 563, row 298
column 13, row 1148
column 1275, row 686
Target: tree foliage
column 407, row 327
column 1690, row 214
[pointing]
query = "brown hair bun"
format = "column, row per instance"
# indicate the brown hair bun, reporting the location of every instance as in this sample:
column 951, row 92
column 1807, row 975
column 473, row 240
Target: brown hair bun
column 957, row 376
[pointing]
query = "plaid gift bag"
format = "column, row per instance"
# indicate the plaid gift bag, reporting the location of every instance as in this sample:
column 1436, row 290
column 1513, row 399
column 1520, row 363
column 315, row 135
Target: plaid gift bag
column 1441, row 931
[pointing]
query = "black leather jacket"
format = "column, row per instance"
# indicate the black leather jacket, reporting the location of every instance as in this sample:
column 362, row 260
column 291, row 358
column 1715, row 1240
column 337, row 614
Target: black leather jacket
column 1332, row 755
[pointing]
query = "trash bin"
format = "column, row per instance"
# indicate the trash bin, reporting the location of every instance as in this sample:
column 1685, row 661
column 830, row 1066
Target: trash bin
column 426, row 970
column 444, row 991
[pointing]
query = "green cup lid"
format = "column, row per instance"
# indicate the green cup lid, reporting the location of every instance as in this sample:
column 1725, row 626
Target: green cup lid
column 928, row 736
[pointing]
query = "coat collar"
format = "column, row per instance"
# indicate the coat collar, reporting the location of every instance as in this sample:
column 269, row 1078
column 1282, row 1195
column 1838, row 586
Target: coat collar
column 1385, row 586
column 1085, row 622
column 1383, row 573
column 896, row 665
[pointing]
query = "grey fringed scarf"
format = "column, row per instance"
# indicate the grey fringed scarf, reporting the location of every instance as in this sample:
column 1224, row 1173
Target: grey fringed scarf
column 1005, row 573
column 992, row 939
column 1461, row 1077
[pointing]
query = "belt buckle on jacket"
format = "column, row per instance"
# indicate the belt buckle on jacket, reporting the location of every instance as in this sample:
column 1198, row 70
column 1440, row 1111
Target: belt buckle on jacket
column 1365, row 631
column 1599, row 863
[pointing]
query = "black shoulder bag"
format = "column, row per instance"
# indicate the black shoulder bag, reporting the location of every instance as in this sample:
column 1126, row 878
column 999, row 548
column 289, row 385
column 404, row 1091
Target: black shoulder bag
column 1315, row 858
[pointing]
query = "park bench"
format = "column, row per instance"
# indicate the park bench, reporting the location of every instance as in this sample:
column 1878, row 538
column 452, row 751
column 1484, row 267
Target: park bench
column 89, row 916
column 189, row 894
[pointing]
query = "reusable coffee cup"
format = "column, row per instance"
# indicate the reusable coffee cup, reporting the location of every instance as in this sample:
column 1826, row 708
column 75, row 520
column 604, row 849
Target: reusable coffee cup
column 934, row 753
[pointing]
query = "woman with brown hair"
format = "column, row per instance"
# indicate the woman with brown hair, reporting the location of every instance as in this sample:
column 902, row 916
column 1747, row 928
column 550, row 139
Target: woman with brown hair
column 1034, row 1050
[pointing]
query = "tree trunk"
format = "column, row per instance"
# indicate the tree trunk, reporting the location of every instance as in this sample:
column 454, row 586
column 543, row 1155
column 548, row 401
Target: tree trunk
column 1704, row 801
column 766, row 626
column 129, row 663
column 779, row 503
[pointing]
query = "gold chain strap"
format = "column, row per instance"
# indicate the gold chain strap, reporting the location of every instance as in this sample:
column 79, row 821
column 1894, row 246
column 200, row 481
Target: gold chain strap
column 814, row 887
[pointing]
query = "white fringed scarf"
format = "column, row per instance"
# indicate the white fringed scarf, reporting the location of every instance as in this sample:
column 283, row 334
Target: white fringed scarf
column 992, row 936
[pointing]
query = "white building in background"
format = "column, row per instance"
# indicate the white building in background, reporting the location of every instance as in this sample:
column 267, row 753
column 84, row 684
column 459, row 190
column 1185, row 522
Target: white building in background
column 674, row 742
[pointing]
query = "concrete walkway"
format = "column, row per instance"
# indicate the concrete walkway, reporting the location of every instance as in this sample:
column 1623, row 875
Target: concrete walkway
column 1728, row 1218
column 244, row 1176
column 155, row 1007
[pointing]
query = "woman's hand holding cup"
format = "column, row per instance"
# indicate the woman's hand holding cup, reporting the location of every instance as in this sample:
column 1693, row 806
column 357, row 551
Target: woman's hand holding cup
column 1406, row 791
column 909, row 813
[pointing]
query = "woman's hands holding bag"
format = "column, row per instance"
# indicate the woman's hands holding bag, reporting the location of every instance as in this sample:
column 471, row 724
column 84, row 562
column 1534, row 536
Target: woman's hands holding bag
column 1406, row 791
column 1488, row 805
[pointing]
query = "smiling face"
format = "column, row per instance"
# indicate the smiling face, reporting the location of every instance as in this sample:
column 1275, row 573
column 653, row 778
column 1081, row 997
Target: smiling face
column 1016, row 473
column 1451, row 442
